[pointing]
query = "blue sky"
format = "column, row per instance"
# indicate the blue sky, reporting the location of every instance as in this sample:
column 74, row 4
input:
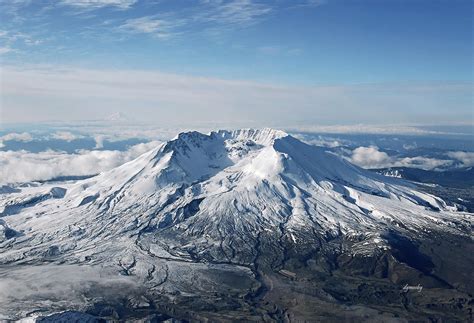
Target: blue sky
column 354, row 61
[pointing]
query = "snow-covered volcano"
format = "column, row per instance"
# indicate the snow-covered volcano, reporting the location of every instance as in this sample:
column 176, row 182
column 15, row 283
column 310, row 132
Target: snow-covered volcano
column 216, row 198
column 214, row 189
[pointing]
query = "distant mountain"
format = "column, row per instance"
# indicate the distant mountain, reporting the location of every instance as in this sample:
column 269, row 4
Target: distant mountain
column 236, row 225
column 118, row 117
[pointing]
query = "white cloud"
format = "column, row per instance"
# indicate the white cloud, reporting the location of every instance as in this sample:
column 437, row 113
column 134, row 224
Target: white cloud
column 236, row 12
column 112, row 130
column 99, row 141
column 122, row 4
column 65, row 135
column 5, row 50
column 33, row 42
column 24, row 136
column 371, row 157
column 320, row 141
column 467, row 158
column 208, row 16
column 410, row 146
column 11, row 40
column 13, row 36
column 159, row 27
column 23, row 166
column 422, row 162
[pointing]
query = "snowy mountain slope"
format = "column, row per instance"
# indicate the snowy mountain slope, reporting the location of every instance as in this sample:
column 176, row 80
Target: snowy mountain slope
column 227, row 183
column 221, row 198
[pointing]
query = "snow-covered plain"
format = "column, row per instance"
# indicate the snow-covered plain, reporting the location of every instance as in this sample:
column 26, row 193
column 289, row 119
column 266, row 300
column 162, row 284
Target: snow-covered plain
column 197, row 201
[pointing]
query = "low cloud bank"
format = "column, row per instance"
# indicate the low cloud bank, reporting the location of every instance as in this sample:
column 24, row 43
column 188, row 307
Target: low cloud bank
column 24, row 166
column 371, row 157
column 467, row 158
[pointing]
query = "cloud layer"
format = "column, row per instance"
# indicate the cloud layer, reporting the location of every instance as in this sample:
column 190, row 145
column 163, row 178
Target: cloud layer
column 371, row 157
column 467, row 158
column 24, row 166
column 36, row 94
